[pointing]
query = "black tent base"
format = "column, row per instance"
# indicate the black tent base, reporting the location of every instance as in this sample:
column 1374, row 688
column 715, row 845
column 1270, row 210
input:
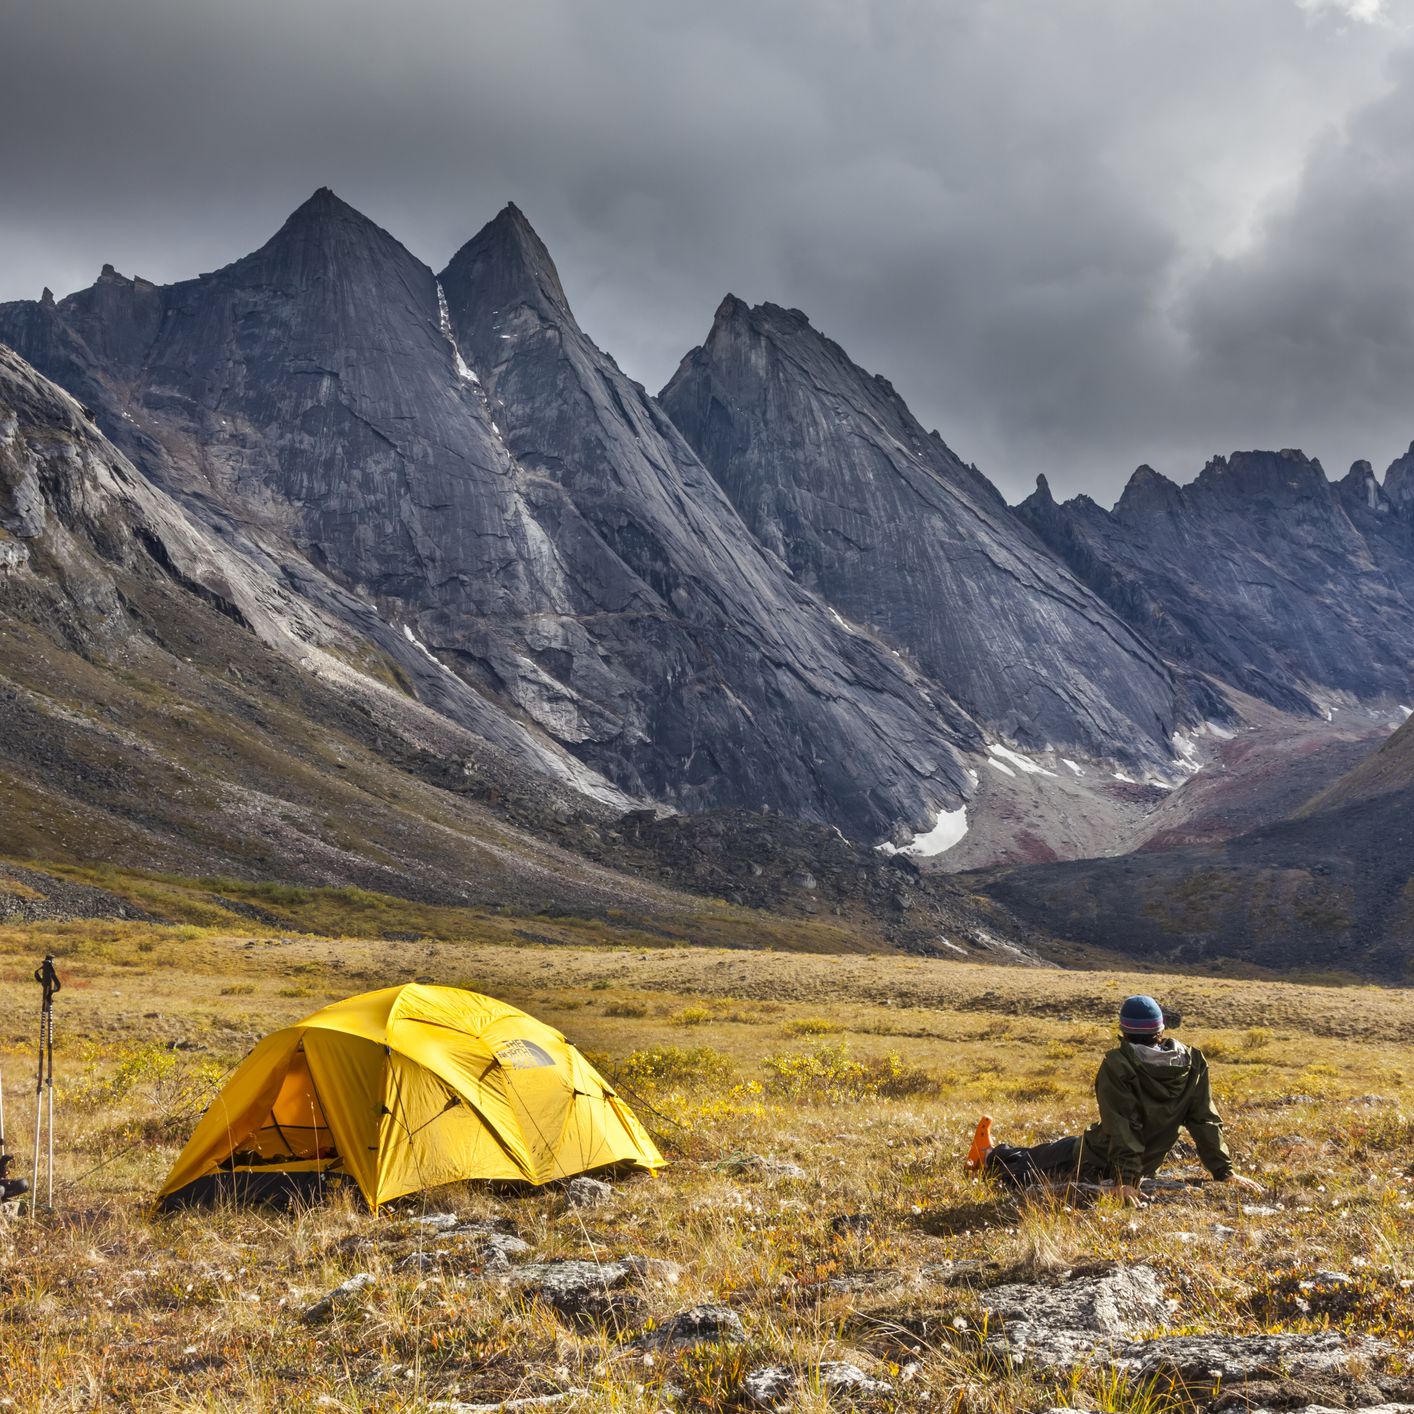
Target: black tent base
column 273, row 1188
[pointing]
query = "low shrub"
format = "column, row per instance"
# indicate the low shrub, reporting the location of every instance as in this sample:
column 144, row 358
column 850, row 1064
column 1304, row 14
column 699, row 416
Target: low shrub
column 833, row 1073
column 672, row 1065
column 812, row 1026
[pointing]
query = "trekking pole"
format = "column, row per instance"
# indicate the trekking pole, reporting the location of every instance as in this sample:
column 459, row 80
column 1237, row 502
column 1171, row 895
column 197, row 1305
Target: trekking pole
column 48, row 979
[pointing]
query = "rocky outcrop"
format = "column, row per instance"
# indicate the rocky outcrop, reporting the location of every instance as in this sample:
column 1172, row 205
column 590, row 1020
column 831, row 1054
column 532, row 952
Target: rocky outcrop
column 1067, row 1323
column 1260, row 572
column 585, row 1292
column 835, row 475
column 698, row 1325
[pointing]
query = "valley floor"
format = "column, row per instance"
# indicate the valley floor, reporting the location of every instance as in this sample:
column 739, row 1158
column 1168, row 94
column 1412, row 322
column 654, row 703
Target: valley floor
column 865, row 1073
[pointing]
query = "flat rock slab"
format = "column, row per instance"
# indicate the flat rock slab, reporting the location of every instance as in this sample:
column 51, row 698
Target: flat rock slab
column 1204, row 1358
column 473, row 1245
column 773, row 1386
column 431, row 1222
column 761, row 1163
column 1066, row 1323
column 698, row 1325
column 585, row 1290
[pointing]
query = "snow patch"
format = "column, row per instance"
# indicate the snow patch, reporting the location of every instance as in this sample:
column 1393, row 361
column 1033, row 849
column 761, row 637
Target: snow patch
column 961, row 952
column 1128, row 780
column 1013, row 758
column 1408, row 712
column 426, row 651
column 972, row 776
column 838, row 619
column 1187, row 760
column 997, row 766
column 951, row 826
column 444, row 319
column 1071, row 766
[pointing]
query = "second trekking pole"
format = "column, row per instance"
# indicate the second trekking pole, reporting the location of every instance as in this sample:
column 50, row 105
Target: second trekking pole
column 48, row 979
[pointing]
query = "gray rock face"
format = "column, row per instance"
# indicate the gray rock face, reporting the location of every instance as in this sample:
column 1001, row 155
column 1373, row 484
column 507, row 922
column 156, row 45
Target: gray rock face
column 1261, row 572
column 833, row 473
column 106, row 580
column 458, row 461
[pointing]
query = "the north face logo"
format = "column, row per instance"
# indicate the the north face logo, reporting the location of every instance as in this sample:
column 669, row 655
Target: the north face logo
column 522, row 1055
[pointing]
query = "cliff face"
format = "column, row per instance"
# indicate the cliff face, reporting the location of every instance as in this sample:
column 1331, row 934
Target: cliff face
column 456, row 463
column 833, row 473
column 1260, row 572
column 171, row 702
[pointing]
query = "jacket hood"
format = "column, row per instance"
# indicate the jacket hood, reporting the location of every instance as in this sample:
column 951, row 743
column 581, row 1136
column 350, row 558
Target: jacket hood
column 1161, row 1071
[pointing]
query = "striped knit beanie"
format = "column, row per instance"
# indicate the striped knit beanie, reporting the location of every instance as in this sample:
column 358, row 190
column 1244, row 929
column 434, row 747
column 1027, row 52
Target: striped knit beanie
column 1141, row 1017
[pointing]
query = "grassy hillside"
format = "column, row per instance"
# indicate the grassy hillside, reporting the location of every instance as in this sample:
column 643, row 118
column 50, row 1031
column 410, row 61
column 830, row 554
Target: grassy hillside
column 866, row 1071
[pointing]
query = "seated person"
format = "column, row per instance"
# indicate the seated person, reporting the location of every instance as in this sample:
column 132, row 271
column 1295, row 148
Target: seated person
column 1147, row 1088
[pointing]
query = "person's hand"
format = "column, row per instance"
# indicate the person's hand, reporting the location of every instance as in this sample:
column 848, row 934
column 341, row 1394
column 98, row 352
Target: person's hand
column 1247, row 1185
column 1128, row 1194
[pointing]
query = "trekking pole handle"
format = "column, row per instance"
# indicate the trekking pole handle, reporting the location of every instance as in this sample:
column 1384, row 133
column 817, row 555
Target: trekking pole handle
column 48, row 977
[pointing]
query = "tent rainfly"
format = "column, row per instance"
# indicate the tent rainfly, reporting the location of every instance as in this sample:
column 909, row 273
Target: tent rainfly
column 403, row 1089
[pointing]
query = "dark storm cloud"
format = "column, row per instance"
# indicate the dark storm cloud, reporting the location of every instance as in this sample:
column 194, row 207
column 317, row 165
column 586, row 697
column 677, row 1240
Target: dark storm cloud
column 1075, row 236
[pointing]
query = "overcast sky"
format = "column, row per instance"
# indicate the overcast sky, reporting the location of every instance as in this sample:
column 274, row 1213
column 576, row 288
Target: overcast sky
column 1075, row 234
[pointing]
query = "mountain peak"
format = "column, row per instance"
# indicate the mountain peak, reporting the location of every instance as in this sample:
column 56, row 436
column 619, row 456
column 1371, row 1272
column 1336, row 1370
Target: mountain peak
column 731, row 309
column 1399, row 479
column 1359, row 485
column 1148, row 492
column 321, row 204
column 513, row 263
column 325, row 232
column 1280, row 475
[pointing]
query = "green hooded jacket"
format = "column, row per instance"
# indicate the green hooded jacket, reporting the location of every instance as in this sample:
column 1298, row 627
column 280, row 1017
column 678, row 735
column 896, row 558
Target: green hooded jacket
column 1146, row 1094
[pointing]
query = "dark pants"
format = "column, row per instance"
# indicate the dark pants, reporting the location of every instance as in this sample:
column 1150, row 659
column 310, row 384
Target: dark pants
column 1042, row 1163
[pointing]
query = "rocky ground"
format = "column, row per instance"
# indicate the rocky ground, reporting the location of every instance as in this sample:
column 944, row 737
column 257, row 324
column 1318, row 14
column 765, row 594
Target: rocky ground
column 814, row 1241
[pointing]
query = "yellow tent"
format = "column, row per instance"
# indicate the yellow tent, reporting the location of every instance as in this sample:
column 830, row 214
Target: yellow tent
column 406, row 1088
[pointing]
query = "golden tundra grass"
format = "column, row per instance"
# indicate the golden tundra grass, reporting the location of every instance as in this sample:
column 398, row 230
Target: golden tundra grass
column 868, row 1072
